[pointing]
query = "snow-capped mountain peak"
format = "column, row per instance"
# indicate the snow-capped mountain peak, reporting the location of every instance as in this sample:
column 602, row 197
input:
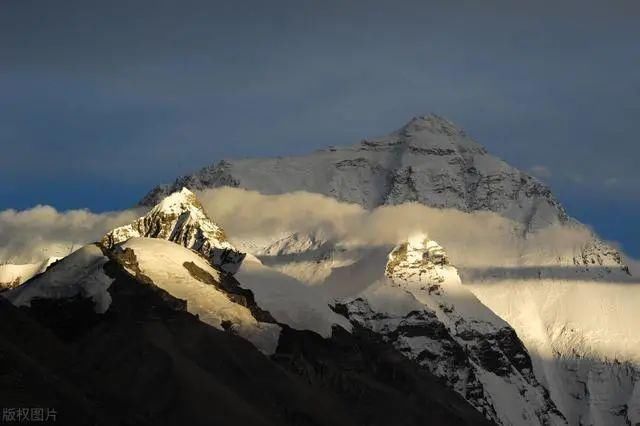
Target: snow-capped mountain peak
column 429, row 160
column 180, row 201
column 433, row 130
column 181, row 218
column 422, row 308
column 415, row 258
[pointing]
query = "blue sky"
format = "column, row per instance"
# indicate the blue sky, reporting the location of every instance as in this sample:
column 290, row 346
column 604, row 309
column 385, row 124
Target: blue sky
column 103, row 100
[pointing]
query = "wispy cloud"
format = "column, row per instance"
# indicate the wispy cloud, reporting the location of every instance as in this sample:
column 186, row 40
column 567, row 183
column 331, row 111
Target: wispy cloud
column 472, row 239
column 33, row 234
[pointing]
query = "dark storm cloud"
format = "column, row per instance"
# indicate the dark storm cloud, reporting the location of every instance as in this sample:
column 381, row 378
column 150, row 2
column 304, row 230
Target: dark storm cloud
column 133, row 93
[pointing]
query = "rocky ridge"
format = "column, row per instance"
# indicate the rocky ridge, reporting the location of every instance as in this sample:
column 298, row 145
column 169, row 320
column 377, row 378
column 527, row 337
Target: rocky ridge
column 424, row 311
column 181, row 219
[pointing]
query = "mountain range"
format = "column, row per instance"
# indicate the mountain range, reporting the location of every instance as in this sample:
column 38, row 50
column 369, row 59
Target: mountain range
column 304, row 327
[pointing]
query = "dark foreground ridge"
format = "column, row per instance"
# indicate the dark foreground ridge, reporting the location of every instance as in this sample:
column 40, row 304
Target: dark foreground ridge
column 147, row 361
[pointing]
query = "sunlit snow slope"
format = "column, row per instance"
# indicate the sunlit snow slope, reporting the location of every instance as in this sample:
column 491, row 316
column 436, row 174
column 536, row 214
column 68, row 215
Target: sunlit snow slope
column 12, row 275
column 188, row 276
column 421, row 306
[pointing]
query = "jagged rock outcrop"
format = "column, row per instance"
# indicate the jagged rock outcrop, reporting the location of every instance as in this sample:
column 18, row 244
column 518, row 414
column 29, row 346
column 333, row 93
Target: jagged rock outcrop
column 181, row 219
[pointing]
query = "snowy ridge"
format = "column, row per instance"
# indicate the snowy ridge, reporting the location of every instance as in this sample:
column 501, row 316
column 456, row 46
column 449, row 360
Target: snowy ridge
column 12, row 275
column 309, row 258
column 289, row 300
column 180, row 218
column 188, row 276
column 78, row 275
column 576, row 315
column 423, row 309
column 183, row 273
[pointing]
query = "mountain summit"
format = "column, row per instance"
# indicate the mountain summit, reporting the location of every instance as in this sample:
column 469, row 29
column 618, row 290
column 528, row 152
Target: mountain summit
column 181, row 219
column 422, row 308
column 428, row 160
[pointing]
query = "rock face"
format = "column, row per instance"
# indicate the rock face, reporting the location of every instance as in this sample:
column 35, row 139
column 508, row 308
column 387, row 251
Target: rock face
column 181, row 219
column 424, row 311
column 429, row 160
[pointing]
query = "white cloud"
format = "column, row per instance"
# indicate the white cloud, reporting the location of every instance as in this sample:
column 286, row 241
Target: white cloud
column 42, row 231
column 472, row 239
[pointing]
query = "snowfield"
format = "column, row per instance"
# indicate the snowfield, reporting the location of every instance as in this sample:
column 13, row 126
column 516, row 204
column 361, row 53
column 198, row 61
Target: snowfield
column 12, row 275
column 421, row 306
column 577, row 319
column 164, row 263
column 583, row 339
column 289, row 300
